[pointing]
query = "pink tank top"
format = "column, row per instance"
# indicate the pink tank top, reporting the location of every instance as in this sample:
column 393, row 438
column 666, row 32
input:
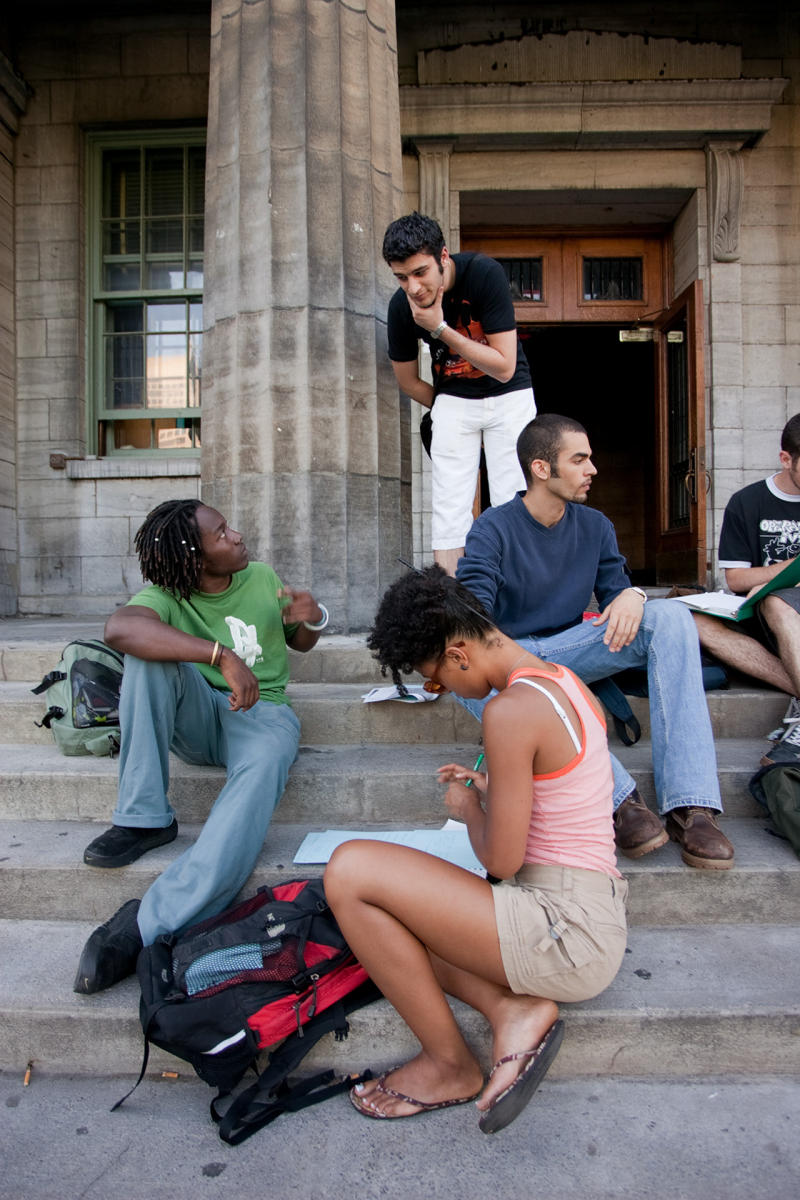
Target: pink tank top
column 571, row 817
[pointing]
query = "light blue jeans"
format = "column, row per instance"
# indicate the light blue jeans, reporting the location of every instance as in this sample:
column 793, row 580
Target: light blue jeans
column 684, row 761
column 169, row 706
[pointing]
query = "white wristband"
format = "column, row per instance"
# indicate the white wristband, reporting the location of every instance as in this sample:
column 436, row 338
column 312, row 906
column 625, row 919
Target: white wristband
column 639, row 592
column 320, row 625
column 437, row 332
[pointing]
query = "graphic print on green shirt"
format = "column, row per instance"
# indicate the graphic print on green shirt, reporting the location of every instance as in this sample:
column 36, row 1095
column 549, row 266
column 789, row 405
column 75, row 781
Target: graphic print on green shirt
column 245, row 617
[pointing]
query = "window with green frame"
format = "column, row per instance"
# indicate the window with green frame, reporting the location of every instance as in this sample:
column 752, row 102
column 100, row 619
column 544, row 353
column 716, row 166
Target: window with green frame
column 146, row 205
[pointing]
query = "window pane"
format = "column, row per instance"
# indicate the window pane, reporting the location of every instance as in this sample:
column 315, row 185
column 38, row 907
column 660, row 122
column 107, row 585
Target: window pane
column 196, row 317
column 166, row 370
column 195, row 368
column 124, row 356
column 196, row 183
column 524, row 277
column 166, row 318
column 612, row 279
column 122, row 183
column 164, row 182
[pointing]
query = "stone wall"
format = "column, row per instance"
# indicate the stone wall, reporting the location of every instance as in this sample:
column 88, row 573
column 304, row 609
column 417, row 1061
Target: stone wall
column 76, row 524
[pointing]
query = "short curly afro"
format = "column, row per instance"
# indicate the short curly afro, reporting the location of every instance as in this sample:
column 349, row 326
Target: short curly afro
column 419, row 614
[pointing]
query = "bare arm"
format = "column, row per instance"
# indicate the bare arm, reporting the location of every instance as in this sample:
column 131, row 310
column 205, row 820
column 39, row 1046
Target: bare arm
column 138, row 630
column 301, row 607
column 409, row 382
column 497, row 359
column 742, row 580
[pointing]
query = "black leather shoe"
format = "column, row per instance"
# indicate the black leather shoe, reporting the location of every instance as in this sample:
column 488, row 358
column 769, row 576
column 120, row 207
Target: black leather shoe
column 122, row 844
column 110, row 953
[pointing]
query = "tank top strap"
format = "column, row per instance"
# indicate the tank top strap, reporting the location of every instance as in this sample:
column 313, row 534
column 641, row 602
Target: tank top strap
column 576, row 741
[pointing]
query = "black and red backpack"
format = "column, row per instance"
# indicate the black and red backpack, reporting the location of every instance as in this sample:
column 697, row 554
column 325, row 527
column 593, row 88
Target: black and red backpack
column 274, row 968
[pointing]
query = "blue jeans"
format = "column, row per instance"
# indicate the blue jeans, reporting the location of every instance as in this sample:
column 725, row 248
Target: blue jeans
column 169, row 706
column 684, row 761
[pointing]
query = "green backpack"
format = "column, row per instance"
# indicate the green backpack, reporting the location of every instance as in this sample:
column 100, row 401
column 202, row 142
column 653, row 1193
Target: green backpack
column 83, row 699
column 777, row 787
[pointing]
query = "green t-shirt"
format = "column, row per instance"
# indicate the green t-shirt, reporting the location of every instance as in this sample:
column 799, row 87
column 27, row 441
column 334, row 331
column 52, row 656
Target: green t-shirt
column 246, row 617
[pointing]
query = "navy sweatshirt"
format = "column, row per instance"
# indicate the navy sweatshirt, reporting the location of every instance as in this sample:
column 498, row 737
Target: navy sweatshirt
column 534, row 580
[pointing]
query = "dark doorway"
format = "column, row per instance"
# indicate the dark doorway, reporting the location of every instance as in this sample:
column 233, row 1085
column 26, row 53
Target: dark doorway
column 585, row 372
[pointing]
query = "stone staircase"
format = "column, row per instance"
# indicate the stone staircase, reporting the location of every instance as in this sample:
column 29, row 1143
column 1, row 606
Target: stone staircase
column 710, row 984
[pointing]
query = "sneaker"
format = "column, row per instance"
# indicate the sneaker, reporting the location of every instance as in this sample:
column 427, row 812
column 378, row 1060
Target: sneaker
column 637, row 830
column 121, row 844
column 787, row 749
column 702, row 842
column 789, row 721
column 110, row 953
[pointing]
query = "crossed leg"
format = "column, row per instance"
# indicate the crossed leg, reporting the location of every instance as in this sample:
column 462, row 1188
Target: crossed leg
column 422, row 927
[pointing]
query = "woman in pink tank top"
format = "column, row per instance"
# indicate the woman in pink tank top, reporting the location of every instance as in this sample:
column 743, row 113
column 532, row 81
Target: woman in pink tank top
column 548, row 928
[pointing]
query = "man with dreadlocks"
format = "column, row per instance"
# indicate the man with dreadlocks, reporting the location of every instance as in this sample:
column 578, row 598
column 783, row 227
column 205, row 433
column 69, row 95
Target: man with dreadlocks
column 205, row 676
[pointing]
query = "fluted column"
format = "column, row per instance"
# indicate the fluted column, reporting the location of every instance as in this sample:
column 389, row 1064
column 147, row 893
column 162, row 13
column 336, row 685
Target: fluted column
column 434, row 184
column 302, row 440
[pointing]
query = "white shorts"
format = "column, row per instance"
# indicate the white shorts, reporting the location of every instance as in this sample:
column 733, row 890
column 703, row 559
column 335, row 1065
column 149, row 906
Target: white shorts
column 460, row 423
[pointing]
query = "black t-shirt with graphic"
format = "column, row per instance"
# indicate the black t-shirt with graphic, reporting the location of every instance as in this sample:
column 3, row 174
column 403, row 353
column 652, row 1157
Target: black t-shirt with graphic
column 759, row 527
column 478, row 303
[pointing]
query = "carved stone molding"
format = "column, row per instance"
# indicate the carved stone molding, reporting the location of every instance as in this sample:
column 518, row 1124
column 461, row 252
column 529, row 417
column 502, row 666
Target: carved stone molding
column 725, row 173
column 434, row 182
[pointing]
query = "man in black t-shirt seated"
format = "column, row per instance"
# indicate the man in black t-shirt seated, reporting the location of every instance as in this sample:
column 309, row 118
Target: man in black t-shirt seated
column 760, row 534
column 460, row 305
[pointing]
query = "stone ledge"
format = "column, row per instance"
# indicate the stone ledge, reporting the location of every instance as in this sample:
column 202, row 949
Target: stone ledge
column 131, row 468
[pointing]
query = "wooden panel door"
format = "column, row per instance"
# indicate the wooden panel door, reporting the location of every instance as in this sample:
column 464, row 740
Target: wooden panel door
column 680, row 442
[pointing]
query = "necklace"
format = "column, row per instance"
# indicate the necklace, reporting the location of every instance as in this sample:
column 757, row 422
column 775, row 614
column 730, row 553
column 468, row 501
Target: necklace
column 522, row 656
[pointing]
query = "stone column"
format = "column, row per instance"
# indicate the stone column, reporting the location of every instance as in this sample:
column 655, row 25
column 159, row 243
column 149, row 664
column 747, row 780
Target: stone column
column 302, row 438
column 13, row 102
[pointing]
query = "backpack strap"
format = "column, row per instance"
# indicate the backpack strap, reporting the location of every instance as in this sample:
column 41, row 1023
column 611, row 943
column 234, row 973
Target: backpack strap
column 628, row 728
column 272, row 1094
column 49, row 679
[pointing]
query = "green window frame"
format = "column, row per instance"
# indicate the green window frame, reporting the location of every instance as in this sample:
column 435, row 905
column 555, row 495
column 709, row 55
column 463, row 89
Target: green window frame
column 145, row 291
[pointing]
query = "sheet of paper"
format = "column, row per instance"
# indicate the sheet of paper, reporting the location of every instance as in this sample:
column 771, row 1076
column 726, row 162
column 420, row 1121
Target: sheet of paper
column 416, row 695
column 716, row 603
column 451, row 843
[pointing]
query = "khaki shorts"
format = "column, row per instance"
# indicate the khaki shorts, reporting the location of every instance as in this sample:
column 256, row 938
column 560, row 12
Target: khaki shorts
column 562, row 931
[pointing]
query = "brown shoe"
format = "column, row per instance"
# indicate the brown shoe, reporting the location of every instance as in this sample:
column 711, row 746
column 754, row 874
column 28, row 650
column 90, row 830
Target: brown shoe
column 637, row 830
column 702, row 842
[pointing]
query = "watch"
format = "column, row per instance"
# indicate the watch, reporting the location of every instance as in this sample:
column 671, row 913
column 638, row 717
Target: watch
column 640, row 592
column 437, row 332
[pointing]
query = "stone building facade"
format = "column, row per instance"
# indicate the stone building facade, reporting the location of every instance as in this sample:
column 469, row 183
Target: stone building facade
column 564, row 139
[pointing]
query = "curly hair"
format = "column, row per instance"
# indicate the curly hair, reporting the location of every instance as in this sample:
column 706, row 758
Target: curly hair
column 410, row 235
column 169, row 545
column 419, row 613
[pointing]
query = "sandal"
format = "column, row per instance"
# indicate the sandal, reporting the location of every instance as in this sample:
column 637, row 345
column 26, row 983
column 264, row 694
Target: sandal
column 510, row 1103
column 422, row 1106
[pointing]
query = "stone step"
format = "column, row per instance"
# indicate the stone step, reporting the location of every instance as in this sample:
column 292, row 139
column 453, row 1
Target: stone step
column 334, row 784
column 29, row 648
column 43, row 877
column 335, row 712
column 688, row 1000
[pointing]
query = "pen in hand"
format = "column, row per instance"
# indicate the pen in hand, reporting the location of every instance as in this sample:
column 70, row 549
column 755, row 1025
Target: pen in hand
column 478, row 762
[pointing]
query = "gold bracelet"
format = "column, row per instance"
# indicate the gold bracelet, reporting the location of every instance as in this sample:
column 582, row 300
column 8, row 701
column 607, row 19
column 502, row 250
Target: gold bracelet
column 214, row 654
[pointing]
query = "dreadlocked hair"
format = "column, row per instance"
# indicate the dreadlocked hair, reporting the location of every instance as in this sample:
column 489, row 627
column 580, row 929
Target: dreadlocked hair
column 419, row 613
column 169, row 545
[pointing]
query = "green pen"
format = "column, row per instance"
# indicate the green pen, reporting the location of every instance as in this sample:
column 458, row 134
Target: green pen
column 477, row 764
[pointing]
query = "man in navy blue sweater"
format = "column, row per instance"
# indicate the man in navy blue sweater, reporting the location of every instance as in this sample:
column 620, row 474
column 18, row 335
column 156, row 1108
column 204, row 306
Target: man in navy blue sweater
column 534, row 564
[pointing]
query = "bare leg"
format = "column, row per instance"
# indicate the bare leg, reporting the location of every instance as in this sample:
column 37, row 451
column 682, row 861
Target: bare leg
column 785, row 625
column 448, row 559
column 744, row 653
column 518, row 1022
column 388, row 902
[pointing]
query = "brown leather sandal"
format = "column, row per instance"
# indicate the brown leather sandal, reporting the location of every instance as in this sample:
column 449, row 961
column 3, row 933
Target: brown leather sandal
column 422, row 1106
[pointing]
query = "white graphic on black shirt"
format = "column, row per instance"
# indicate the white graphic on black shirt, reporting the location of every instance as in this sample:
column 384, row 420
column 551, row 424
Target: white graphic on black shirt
column 779, row 540
column 245, row 640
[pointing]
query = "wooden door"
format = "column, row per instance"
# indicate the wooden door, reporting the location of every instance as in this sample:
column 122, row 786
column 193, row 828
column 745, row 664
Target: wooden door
column 680, row 442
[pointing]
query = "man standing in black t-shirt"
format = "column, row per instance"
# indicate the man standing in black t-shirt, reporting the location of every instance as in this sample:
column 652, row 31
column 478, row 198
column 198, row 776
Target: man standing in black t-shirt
column 460, row 305
column 760, row 534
